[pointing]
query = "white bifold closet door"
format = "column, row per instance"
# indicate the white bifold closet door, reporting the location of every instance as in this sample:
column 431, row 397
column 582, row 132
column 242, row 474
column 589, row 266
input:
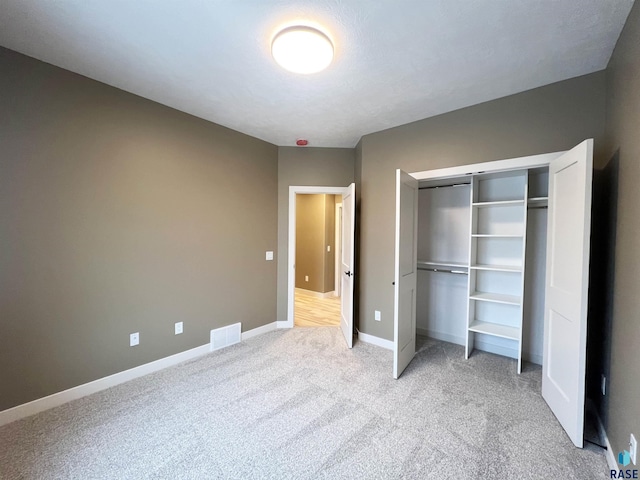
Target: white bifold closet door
column 406, row 272
column 567, row 285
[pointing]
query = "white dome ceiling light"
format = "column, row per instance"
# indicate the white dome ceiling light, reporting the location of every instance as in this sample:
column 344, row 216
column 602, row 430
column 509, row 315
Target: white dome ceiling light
column 302, row 49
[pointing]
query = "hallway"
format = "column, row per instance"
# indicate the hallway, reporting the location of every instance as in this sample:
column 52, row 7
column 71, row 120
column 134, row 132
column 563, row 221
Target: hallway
column 312, row 311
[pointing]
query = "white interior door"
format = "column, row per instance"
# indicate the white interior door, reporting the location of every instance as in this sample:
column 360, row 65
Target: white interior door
column 567, row 284
column 338, row 244
column 406, row 275
column 347, row 262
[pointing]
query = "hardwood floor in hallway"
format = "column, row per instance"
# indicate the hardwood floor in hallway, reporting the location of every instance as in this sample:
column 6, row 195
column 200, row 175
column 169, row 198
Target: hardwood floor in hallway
column 311, row 311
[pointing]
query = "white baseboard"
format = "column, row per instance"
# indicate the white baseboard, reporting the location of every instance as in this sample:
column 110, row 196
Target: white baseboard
column 60, row 398
column 269, row 327
column 445, row 337
column 610, row 456
column 380, row 342
column 532, row 357
column 284, row 324
column 315, row 294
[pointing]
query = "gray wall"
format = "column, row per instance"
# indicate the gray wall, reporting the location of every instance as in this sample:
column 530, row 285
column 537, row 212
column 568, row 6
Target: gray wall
column 120, row 215
column 547, row 119
column 308, row 166
column 310, row 237
column 622, row 135
column 315, row 231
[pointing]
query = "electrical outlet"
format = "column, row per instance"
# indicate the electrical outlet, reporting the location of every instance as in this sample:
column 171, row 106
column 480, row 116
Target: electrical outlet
column 376, row 315
column 134, row 339
column 269, row 256
column 179, row 328
column 328, row 248
column 306, row 278
column 603, row 384
column 633, row 448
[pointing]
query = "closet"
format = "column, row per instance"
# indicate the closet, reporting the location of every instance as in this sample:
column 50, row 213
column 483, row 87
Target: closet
column 481, row 262
column 495, row 257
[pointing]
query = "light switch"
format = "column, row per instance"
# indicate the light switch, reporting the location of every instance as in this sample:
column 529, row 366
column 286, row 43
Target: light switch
column 269, row 256
column 377, row 315
column 328, row 248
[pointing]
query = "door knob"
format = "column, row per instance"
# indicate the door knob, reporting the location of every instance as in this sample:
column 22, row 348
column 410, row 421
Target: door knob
column 348, row 274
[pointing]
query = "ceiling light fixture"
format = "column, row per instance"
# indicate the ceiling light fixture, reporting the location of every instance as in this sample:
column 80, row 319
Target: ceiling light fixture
column 302, row 49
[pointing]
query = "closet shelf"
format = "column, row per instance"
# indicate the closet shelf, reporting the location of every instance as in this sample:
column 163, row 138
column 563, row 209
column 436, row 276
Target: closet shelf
column 497, row 268
column 495, row 329
column 499, row 203
column 496, row 298
column 496, row 235
column 430, row 263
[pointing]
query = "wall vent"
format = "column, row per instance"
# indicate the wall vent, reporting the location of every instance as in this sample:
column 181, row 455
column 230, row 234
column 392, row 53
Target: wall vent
column 225, row 336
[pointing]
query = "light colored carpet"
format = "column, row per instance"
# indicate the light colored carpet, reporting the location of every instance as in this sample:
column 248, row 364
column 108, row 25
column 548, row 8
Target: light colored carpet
column 298, row 404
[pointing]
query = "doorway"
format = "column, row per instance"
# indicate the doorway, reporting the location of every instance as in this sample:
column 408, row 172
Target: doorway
column 317, row 298
column 345, row 264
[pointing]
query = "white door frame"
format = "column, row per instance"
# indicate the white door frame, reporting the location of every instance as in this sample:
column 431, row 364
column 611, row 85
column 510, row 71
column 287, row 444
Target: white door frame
column 566, row 299
column 519, row 163
column 406, row 274
column 291, row 272
column 337, row 250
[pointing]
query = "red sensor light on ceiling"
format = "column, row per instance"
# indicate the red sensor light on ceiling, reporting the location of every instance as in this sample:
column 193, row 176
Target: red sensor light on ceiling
column 302, row 142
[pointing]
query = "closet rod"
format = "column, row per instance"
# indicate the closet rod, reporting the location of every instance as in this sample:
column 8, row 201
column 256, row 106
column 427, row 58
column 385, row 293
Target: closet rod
column 445, row 186
column 443, row 270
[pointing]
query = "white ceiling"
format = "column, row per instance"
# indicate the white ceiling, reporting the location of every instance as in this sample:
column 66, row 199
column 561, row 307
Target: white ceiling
column 396, row 60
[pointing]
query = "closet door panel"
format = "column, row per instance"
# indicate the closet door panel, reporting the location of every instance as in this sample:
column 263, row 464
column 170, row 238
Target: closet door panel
column 567, row 283
column 406, row 265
